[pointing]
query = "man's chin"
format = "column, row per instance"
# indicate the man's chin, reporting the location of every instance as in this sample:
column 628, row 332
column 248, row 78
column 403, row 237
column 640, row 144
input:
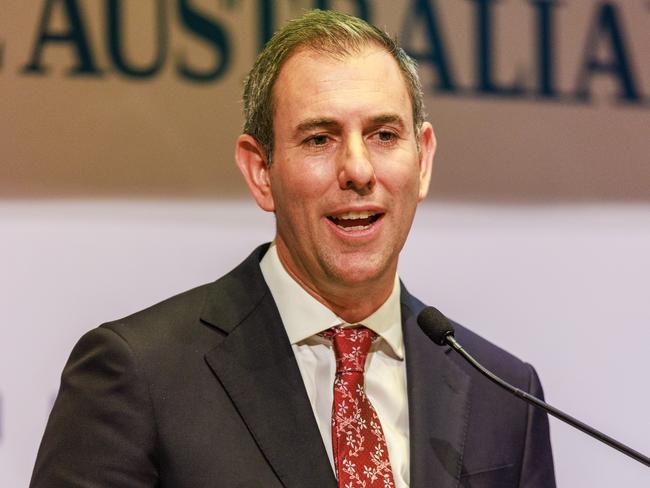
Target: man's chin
column 361, row 273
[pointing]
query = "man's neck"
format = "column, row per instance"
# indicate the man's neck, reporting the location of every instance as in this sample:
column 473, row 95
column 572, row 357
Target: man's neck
column 352, row 303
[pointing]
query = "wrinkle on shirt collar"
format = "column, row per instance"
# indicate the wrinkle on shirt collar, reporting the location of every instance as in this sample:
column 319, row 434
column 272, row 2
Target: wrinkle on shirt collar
column 304, row 317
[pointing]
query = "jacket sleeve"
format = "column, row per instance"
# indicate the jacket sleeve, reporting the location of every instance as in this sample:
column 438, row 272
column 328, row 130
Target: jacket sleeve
column 101, row 431
column 537, row 465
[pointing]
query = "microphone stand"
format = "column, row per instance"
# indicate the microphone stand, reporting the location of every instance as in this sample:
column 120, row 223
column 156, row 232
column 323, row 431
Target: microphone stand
column 449, row 339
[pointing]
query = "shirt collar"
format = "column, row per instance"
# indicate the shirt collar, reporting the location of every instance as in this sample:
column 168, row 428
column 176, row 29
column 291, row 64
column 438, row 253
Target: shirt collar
column 303, row 316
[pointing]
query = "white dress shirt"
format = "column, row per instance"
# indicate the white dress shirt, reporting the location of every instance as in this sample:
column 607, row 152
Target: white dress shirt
column 385, row 378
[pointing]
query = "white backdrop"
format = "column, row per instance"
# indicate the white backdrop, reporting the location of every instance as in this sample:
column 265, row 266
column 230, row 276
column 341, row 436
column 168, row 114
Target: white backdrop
column 565, row 287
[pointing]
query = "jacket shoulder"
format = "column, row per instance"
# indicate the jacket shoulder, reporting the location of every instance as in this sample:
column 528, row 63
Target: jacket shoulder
column 183, row 317
column 496, row 359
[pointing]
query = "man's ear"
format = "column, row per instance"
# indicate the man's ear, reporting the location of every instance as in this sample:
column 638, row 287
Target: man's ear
column 427, row 150
column 250, row 158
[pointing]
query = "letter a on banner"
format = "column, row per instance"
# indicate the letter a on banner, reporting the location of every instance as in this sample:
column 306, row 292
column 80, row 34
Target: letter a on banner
column 74, row 35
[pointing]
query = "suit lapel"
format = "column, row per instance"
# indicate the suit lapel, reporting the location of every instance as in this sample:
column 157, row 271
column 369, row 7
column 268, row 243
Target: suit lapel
column 257, row 367
column 438, row 392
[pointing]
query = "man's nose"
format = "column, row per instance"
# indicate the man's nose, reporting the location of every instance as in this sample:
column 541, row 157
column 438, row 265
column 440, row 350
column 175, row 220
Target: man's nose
column 356, row 171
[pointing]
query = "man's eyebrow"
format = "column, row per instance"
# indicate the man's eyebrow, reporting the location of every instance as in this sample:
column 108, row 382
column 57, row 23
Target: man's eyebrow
column 317, row 123
column 388, row 118
column 327, row 123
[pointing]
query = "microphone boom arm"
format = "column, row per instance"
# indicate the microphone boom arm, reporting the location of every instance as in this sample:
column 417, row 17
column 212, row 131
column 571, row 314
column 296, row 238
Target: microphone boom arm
column 449, row 339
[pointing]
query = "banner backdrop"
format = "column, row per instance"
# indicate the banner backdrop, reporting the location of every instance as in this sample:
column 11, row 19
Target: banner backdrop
column 531, row 99
column 118, row 187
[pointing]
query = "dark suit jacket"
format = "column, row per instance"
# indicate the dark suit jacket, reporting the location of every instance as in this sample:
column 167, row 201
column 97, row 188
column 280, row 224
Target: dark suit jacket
column 203, row 390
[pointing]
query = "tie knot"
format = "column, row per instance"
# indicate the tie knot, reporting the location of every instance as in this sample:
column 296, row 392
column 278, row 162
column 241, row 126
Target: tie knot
column 351, row 346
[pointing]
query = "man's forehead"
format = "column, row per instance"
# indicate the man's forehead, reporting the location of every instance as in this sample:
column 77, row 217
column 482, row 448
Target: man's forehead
column 338, row 53
column 307, row 71
column 350, row 55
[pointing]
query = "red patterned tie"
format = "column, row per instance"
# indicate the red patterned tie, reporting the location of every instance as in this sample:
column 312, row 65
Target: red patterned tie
column 358, row 442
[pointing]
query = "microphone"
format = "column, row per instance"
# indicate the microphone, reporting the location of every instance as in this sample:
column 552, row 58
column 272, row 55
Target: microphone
column 440, row 330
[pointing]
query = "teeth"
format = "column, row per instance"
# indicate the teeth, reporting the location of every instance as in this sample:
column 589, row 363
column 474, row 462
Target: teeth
column 354, row 215
column 354, row 227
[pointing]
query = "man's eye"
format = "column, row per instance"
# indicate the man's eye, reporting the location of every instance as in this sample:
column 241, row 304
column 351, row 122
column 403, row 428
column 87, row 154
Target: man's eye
column 386, row 136
column 317, row 140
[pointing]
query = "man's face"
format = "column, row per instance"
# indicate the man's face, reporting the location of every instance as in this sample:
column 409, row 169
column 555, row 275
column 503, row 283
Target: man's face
column 346, row 174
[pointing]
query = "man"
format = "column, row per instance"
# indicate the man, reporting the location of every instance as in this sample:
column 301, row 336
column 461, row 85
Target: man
column 258, row 379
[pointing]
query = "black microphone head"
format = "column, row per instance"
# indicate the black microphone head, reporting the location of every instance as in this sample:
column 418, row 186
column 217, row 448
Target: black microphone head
column 435, row 325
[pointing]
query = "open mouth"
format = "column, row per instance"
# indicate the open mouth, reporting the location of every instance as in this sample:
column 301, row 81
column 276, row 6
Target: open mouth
column 351, row 221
